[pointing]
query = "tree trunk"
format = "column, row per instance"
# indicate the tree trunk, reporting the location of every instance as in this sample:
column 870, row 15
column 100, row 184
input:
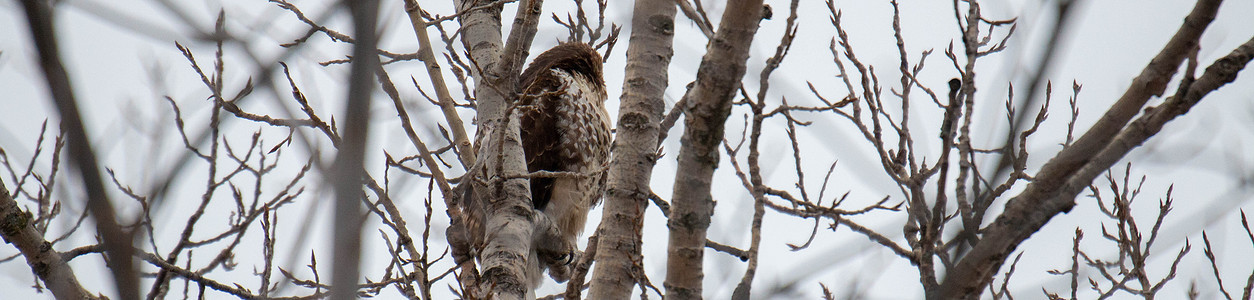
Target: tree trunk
column 347, row 172
column 481, row 36
column 507, row 203
column 718, row 77
column 649, row 53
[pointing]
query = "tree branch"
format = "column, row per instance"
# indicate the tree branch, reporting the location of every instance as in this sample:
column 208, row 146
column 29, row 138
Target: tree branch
column 1044, row 198
column 116, row 240
column 17, row 228
column 447, row 106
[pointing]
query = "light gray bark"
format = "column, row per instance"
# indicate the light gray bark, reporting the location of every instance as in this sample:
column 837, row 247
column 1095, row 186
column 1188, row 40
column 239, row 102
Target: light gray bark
column 507, row 202
column 635, row 148
column 481, row 36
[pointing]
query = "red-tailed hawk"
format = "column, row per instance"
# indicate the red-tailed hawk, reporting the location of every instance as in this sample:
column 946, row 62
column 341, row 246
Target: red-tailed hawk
column 565, row 128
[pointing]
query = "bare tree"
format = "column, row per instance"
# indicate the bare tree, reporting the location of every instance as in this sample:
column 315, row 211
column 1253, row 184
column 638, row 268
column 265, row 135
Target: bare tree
column 225, row 218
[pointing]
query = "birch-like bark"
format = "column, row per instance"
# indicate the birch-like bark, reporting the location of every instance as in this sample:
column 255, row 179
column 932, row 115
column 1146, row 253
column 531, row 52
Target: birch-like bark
column 709, row 103
column 635, row 148
column 510, row 217
column 507, row 202
column 1044, row 198
column 481, row 36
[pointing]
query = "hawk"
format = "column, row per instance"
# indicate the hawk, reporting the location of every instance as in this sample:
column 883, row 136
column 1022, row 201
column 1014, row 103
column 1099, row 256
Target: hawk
column 565, row 128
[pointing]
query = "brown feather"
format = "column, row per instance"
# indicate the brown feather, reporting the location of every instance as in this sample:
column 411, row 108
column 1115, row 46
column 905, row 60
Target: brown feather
column 565, row 128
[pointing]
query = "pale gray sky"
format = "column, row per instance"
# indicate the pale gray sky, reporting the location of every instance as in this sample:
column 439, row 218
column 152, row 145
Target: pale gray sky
column 122, row 60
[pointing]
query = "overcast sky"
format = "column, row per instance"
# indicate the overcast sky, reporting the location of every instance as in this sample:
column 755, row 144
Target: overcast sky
column 123, row 62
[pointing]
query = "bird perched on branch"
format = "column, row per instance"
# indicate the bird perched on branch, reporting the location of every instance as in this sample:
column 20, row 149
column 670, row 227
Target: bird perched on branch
column 565, row 131
column 565, row 128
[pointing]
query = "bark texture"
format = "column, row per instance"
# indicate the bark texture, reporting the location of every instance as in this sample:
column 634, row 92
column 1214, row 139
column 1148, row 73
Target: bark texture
column 1045, row 197
column 709, row 103
column 506, row 199
column 17, row 228
column 635, row 148
column 481, row 36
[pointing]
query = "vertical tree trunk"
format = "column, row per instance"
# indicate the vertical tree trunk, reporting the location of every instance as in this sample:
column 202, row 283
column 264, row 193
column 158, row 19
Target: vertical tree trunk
column 711, row 98
column 635, row 148
column 507, row 203
column 481, row 36
column 510, row 217
column 347, row 172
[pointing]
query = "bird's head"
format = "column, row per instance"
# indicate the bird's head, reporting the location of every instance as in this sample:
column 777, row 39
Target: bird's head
column 575, row 58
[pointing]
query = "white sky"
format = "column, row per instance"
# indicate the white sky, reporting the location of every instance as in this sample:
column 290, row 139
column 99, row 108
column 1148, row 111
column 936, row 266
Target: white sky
column 122, row 61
